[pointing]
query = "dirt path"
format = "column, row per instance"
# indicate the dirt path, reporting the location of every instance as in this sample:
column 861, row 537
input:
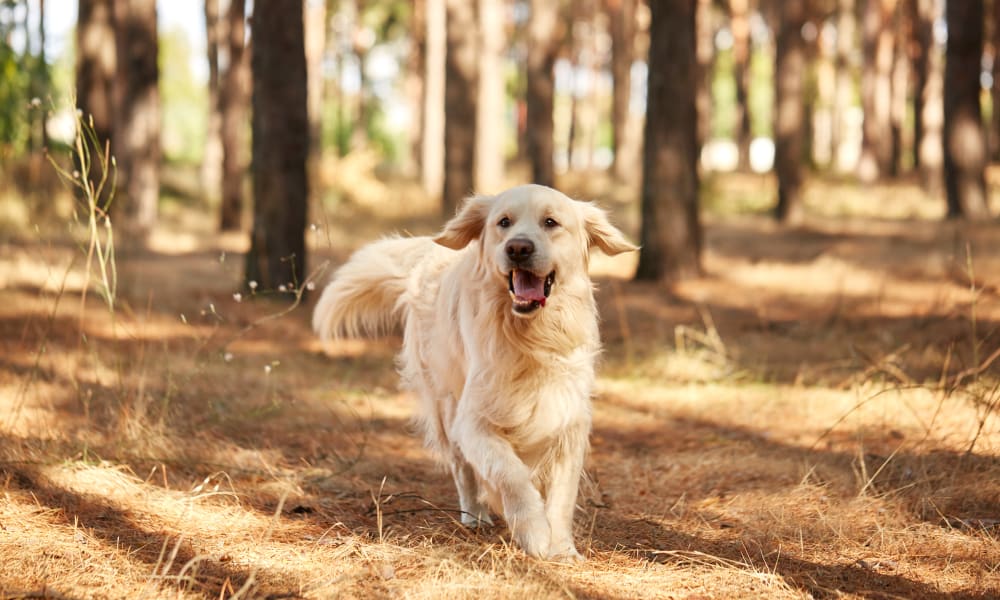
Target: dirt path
column 796, row 424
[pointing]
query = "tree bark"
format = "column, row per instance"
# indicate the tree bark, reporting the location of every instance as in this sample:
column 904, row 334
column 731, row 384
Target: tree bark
column 671, row 229
column 543, row 44
column 414, row 84
column 843, row 97
column 233, row 104
column 432, row 143
column 461, row 85
column 876, row 89
column 280, row 147
column 789, row 112
column 211, row 165
column 964, row 138
column 95, row 71
column 705, row 55
column 900, row 78
column 621, row 15
column 740, row 22
column 490, row 118
column 928, row 104
column 137, row 114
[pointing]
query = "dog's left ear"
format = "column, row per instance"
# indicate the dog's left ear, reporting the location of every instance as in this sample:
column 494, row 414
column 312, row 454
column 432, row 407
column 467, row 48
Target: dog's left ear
column 601, row 233
column 466, row 225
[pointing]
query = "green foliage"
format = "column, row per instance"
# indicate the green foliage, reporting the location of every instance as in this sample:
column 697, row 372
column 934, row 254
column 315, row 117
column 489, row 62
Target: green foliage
column 15, row 99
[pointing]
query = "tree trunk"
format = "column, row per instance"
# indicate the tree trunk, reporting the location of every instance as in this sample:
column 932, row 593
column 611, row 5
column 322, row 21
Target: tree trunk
column 461, row 85
column 315, row 44
column 995, row 90
column 490, row 119
column 671, row 230
column 137, row 114
column 740, row 23
column 211, row 165
column 876, row 89
column 543, row 44
column 95, row 71
column 621, row 14
column 900, row 91
column 432, row 144
column 964, row 139
column 789, row 112
column 233, row 100
column 928, row 104
column 844, row 95
column 414, row 85
column 280, row 148
column 705, row 55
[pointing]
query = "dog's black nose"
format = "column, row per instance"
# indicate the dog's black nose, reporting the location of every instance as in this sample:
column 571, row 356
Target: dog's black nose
column 519, row 249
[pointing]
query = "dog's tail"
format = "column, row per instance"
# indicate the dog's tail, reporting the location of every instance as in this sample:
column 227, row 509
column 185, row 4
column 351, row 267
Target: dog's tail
column 365, row 295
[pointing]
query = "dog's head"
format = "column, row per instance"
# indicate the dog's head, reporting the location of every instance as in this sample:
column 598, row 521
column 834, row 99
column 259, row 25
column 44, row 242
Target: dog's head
column 532, row 239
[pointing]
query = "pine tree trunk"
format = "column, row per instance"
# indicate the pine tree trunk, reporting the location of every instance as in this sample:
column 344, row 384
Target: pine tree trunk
column 95, row 70
column 211, row 165
column 739, row 16
column 705, row 55
column 137, row 115
column 461, row 85
column 621, row 14
column 928, row 103
column 490, row 119
column 789, row 112
column 234, row 98
column 414, row 85
column 843, row 97
column 876, row 89
column 543, row 44
column 900, row 92
column 280, row 148
column 671, row 230
column 964, row 138
column 995, row 90
column 432, row 142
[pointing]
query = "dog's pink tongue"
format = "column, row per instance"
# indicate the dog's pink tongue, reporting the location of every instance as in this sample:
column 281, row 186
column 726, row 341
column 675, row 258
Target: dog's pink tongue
column 528, row 287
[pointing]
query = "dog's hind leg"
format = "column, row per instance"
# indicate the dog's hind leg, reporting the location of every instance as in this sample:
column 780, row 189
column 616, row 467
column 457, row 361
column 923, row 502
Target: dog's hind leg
column 474, row 512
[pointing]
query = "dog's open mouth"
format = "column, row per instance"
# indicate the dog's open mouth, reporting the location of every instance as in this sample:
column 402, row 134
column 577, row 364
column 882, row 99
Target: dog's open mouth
column 529, row 291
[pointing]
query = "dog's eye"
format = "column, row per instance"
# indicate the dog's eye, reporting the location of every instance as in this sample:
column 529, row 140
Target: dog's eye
column 504, row 222
column 550, row 223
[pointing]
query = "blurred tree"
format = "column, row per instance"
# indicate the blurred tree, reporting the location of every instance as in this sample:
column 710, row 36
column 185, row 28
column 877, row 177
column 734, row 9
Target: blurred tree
column 928, row 103
column 964, row 138
column 844, row 94
column 136, row 144
column 431, row 144
column 461, row 87
column 211, row 163
column 234, row 98
column 543, row 44
column 739, row 13
column 41, row 82
column 582, row 23
column 876, row 88
column 705, row 57
column 789, row 111
column 994, row 24
column 623, row 28
column 671, row 235
column 414, row 84
column 280, row 147
column 900, row 80
column 491, row 100
column 95, row 68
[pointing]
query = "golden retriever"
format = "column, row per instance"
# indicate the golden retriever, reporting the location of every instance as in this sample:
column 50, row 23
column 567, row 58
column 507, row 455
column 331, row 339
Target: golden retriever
column 499, row 342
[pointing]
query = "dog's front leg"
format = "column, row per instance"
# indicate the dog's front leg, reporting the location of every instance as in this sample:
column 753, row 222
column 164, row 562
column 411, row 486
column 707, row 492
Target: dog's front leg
column 561, row 491
column 495, row 461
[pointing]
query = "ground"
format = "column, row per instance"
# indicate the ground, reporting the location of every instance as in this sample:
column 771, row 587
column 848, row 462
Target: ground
column 813, row 418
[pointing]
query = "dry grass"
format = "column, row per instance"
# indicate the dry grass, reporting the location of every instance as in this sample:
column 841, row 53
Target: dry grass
column 796, row 424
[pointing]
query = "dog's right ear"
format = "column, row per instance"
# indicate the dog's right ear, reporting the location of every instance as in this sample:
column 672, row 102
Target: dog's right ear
column 467, row 225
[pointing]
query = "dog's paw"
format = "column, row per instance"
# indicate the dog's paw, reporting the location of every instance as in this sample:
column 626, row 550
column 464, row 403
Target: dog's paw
column 565, row 554
column 531, row 533
column 477, row 520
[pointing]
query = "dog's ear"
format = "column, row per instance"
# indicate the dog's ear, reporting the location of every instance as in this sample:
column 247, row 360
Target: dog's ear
column 601, row 233
column 466, row 225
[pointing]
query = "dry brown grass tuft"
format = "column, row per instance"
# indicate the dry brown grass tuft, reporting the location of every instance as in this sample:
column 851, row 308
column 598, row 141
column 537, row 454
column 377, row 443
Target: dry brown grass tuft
column 811, row 419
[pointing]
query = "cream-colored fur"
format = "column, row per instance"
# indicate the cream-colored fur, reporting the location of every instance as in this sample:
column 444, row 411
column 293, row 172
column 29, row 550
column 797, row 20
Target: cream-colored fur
column 504, row 393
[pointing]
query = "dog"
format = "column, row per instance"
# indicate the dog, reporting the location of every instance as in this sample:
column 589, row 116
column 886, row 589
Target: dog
column 500, row 339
